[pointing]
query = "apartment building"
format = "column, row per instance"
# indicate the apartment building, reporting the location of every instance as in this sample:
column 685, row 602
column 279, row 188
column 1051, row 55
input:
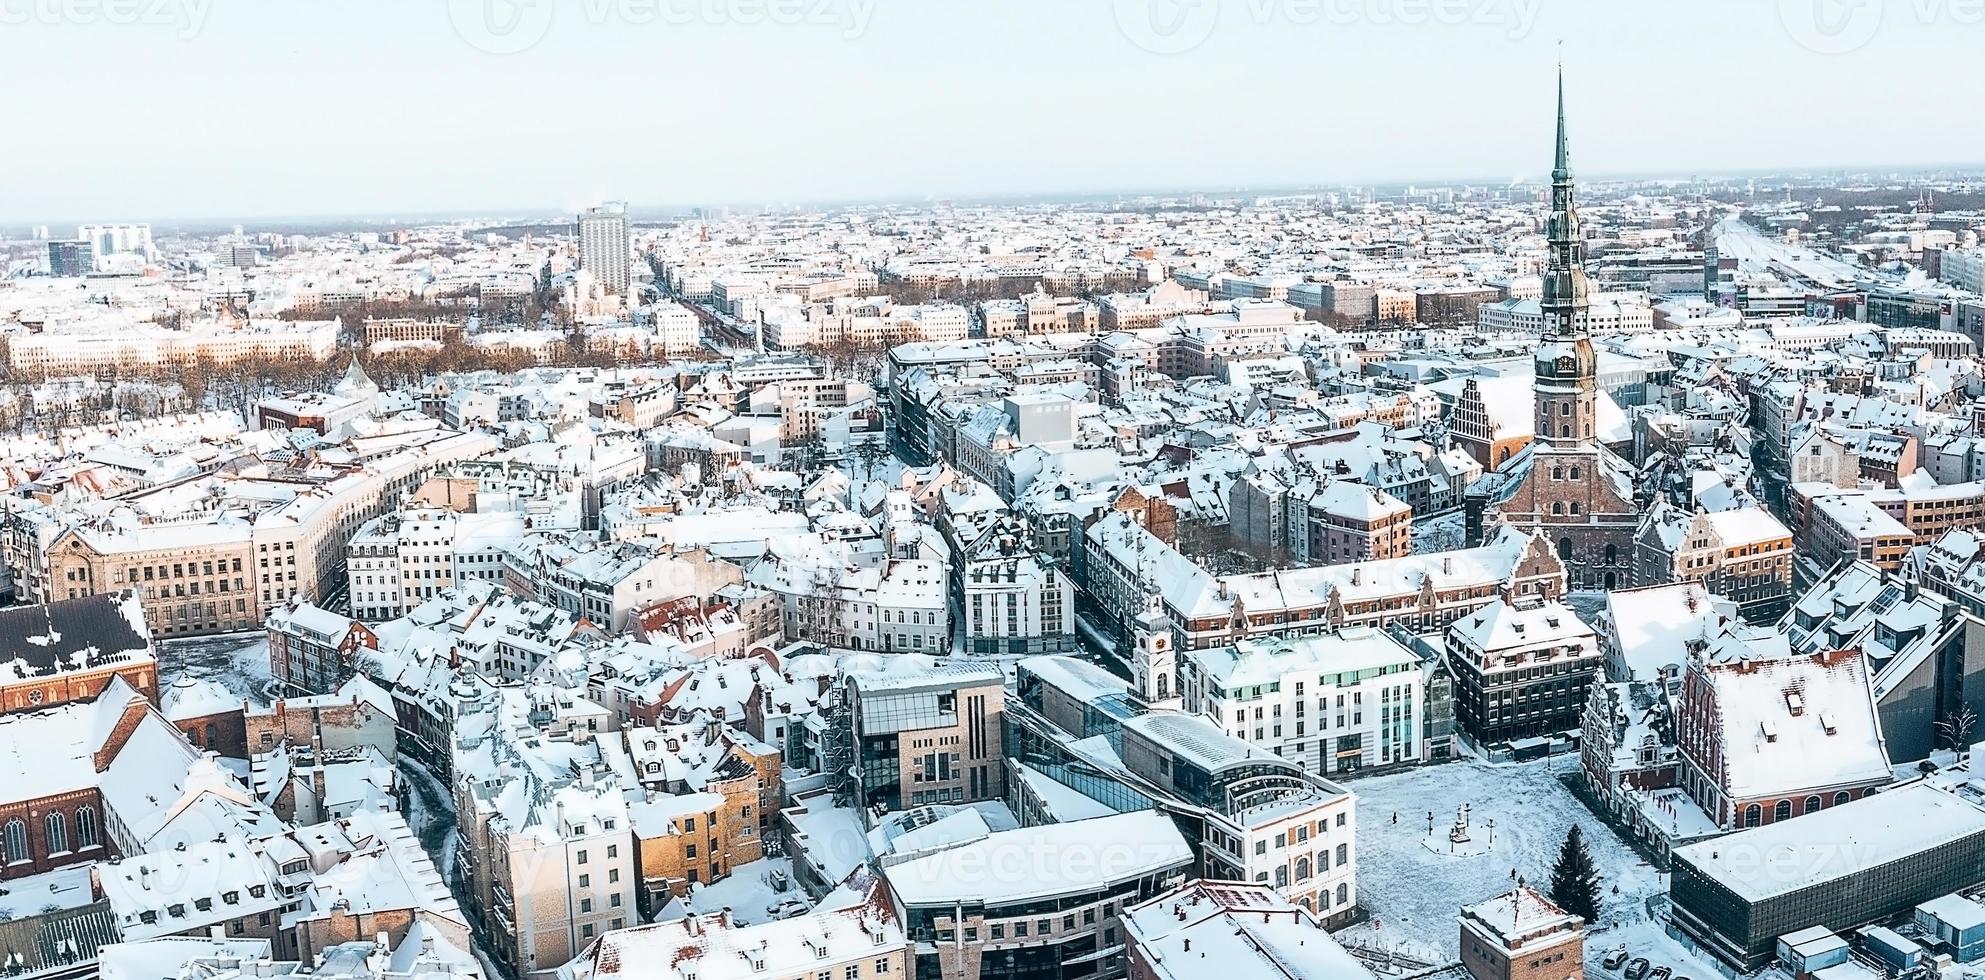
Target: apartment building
column 1350, row 522
column 710, row 794
column 1845, row 524
column 397, row 561
column 1744, row 555
column 545, row 849
column 1338, row 702
column 134, row 347
column 313, row 650
column 1124, row 567
column 860, row 941
column 1522, row 667
column 1178, row 936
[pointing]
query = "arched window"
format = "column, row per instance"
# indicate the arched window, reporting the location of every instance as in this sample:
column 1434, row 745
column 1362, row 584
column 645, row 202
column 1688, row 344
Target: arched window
column 1842, row 797
column 1574, row 508
column 1302, row 869
column 1783, row 811
column 1164, row 686
column 1564, row 549
column 1343, row 894
column 211, row 731
column 15, row 838
column 86, row 834
column 1753, row 815
column 1564, row 431
column 58, row 832
column 1282, row 876
column 1564, row 408
column 1612, row 554
column 1812, row 804
column 1557, row 507
column 1574, row 472
column 1557, row 472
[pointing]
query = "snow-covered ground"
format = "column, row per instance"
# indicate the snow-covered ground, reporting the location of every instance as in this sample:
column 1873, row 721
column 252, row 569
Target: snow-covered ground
column 68, row 888
column 747, row 891
column 1413, row 893
column 1441, row 532
column 236, row 661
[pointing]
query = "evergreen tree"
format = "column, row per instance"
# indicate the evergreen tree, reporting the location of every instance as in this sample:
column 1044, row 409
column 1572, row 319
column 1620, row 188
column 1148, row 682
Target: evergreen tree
column 1575, row 879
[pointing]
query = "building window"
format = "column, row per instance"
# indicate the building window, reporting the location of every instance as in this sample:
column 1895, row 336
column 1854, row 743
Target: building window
column 58, row 832
column 86, row 835
column 1753, row 815
column 15, row 837
column 1783, row 811
column 1812, row 804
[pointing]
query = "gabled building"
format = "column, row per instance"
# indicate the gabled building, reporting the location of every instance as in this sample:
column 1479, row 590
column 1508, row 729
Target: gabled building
column 1522, row 667
column 1767, row 734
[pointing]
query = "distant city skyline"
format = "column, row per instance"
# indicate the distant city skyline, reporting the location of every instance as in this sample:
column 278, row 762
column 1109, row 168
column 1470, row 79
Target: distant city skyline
column 204, row 110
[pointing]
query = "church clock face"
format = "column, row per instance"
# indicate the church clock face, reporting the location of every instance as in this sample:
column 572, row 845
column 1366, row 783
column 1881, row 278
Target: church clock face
column 1564, row 365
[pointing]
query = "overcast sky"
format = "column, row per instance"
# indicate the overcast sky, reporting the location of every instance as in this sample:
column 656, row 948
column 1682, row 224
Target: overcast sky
column 210, row 108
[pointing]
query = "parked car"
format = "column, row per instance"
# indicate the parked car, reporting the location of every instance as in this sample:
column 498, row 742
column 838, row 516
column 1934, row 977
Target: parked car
column 791, row 908
column 1660, row 973
column 1614, row 959
column 1638, row 968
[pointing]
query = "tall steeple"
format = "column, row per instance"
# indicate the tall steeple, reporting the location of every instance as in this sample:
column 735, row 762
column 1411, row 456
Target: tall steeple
column 1566, row 292
column 1567, row 367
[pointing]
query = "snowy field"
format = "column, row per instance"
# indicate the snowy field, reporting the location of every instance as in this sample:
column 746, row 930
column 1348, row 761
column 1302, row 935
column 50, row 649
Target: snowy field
column 747, row 891
column 236, row 661
column 1413, row 893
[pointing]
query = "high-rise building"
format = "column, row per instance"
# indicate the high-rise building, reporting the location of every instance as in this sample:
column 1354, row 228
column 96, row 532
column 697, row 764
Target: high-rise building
column 1565, row 485
column 603, row 246
column 71, row 258
column 118, row 239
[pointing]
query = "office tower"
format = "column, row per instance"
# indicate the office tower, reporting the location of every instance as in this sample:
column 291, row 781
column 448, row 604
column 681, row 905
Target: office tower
column 603, row 246
column 71, row 258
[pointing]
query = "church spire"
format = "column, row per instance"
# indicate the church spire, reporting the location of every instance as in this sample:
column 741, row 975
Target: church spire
column 1566, row 293
column 1562, row 171
column 1567, row 367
